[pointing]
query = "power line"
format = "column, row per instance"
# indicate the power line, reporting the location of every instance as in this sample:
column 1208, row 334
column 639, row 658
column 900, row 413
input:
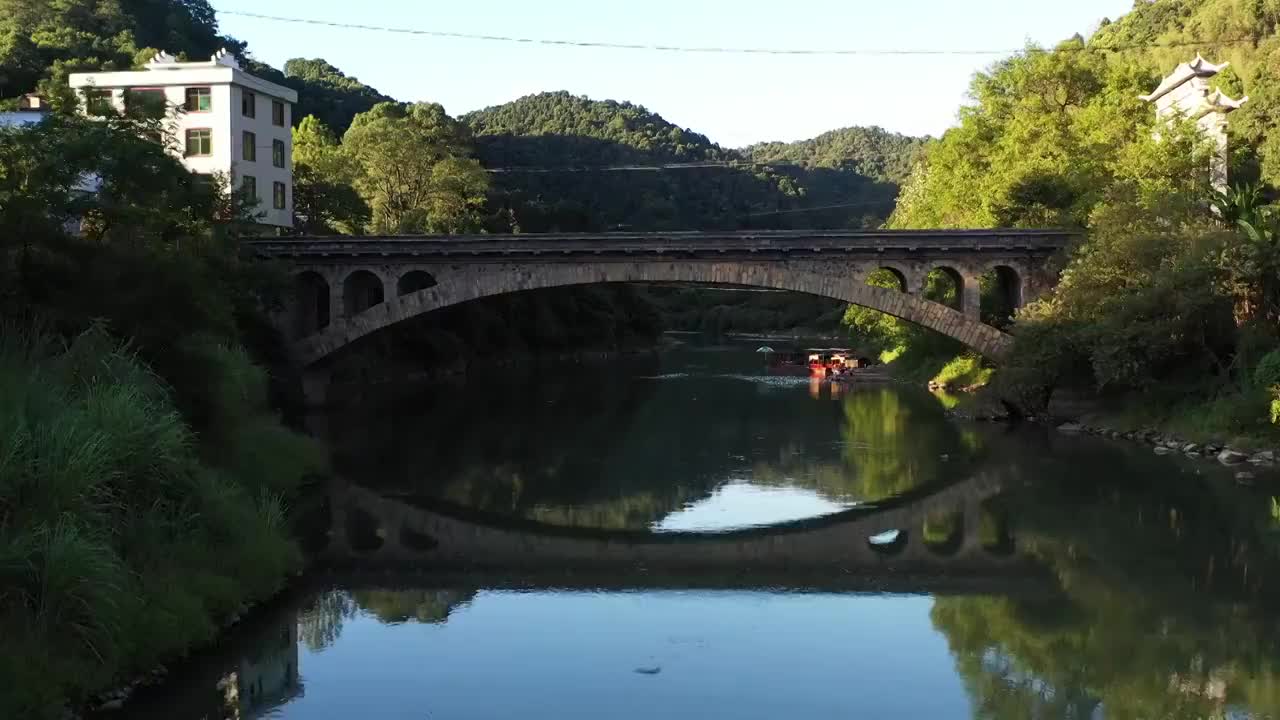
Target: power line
column 865, row 203
column 695, row 165
column 709, row 49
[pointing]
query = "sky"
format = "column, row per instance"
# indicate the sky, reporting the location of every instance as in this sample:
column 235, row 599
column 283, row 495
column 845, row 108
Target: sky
column 735, row 99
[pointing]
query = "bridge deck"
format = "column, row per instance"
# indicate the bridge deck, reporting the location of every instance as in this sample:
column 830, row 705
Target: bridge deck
column 548, row 246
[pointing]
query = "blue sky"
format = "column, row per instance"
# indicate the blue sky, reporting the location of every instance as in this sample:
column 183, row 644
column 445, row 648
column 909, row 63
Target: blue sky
column 734, row 99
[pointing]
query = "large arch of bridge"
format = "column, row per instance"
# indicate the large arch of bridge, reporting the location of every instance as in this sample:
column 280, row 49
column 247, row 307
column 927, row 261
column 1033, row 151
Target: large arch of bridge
column 468, row 283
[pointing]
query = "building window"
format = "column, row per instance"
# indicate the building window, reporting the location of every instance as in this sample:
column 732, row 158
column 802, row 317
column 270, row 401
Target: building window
column 250, row 142
column 277, row 195
column 199, row 142
column 277, row 113
column 199, row 99
column 148, row 102
column 249, row 186
column 248, row 104
column 203, row 183
column 277, row 153
column 98, row 102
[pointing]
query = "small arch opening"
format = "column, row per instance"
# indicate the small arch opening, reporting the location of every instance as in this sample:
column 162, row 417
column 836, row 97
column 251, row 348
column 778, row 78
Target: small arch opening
column 994, row 533
column 945, row 285
column 888, row 543
column 363, row 531
column 413, row 281
column 1001, row 295
column 361, row 291
column 943, row 531
column 311, row 303
column 887, row 278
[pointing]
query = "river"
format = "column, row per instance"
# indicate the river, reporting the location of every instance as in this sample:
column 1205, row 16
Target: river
column 688, row 536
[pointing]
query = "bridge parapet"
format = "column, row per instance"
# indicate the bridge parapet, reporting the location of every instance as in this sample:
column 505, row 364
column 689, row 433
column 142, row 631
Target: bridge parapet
column 720, row 245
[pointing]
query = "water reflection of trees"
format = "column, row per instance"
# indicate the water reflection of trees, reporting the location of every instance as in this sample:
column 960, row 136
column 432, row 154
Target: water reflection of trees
column 320, row 619
column 1165, row 606
column 892, row 440
column 612, row 450
column 401, row 606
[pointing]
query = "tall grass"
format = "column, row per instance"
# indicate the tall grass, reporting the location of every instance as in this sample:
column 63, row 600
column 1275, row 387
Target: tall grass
column 124, row 537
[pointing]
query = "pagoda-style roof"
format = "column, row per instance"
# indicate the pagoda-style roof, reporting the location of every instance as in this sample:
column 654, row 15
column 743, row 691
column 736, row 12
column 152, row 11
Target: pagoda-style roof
column 1198, row 68
column 1219, row 102
column 164, row 61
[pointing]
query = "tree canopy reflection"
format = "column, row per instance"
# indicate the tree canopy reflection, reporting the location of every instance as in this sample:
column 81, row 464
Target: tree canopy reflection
column 622, row 448
column 1164, row 608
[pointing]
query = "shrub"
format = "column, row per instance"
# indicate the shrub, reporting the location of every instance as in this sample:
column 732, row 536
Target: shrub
column 965, row 370
column 119, row 546
column 1267, row 373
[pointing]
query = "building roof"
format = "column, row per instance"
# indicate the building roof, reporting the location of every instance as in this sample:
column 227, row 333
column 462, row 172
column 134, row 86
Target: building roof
column 1198, row 68
column 163, row 69
column 1218, row 101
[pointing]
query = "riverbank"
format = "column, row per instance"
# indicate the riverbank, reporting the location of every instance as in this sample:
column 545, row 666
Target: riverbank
column 1083, row 415
column 126, row 538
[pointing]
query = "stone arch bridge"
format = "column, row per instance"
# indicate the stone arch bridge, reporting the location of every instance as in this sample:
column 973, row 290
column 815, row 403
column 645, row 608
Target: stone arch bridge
column 347, row 288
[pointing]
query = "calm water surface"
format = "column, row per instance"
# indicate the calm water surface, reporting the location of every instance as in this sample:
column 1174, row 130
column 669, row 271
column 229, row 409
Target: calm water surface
column 690, row 537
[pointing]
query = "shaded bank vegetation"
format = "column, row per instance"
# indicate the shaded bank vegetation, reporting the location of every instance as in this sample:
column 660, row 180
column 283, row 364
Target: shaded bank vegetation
column 125, row 538
column 144, row 474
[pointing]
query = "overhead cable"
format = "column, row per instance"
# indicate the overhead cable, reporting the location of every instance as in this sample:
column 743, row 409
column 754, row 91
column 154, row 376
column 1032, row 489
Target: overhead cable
column 711, row 49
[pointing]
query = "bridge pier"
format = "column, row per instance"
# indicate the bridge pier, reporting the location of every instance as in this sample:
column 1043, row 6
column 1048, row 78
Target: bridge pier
column 337, row 297
column 970, row 295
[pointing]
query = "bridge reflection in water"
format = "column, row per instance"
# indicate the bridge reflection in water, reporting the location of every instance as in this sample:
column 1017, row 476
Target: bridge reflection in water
column 894, row 544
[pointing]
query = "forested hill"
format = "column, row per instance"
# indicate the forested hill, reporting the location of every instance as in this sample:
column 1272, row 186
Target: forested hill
column 578, row 129
column 561, row 154
column 871, row 151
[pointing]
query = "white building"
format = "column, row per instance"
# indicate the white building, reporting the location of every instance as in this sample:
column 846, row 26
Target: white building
column 1185, row 93
column 223, row 119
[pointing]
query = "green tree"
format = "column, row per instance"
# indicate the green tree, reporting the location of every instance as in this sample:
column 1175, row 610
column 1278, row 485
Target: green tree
column 415, row 169
column 1037, row 145
column 324, row 197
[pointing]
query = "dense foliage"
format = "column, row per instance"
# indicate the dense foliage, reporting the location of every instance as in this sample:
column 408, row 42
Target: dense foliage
column 413, row 169
column 1164, row 297
column 121, row 546
column 143, row 474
